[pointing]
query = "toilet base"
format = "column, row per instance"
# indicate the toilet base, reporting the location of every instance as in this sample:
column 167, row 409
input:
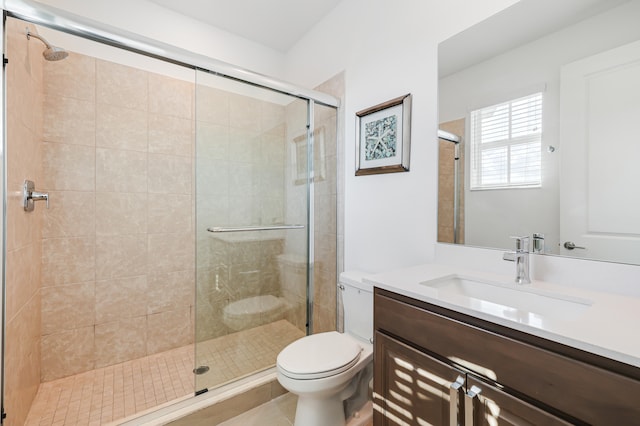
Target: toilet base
column 332, row 411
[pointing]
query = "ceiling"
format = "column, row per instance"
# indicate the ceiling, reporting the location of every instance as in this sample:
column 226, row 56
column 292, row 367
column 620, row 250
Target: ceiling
column 523, row 22
column 278, row 24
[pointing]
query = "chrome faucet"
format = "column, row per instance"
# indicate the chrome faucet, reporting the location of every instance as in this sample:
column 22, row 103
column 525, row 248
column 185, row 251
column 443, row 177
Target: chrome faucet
column 521, row 257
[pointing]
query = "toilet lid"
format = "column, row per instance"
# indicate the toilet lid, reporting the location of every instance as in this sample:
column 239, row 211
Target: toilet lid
column 319, row 355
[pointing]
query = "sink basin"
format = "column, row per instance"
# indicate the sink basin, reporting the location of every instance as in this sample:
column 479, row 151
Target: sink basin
column 519, row 303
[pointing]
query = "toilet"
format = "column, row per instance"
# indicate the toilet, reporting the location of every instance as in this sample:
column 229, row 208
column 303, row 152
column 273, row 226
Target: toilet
column 329, row 371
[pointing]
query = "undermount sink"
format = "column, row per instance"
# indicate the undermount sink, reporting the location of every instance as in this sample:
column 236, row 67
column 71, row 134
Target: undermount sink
column 519, row 303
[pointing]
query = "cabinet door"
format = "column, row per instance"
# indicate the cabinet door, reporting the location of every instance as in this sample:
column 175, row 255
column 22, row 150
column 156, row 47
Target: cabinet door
column 486, row 405
column 412, row 388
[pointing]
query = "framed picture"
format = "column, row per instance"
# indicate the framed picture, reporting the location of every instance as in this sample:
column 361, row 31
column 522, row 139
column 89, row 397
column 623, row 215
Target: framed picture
column 299, row 157
column 383, row 135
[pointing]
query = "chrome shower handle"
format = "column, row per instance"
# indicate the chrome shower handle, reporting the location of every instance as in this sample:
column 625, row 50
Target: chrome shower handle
column 37, row 196
column 30, row 195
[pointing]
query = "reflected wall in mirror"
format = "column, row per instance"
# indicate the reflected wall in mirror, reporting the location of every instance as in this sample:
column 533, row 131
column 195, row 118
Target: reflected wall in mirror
column 545, row 98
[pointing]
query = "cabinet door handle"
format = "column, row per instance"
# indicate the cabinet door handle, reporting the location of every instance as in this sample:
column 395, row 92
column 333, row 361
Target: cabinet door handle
column 469, row 403
column 453, row 400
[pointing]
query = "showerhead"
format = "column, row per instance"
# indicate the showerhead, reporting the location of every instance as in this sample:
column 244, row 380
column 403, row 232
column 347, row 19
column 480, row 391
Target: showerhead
column 51, row 53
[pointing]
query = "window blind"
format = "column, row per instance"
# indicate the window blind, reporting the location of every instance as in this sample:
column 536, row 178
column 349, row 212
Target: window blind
column 506, row 144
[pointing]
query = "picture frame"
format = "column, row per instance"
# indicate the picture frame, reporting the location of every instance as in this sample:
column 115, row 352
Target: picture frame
column 299, row 158
column 383, row 137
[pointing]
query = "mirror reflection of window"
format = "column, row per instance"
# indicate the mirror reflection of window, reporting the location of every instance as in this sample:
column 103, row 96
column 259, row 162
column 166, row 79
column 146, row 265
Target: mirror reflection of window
column 506, row 144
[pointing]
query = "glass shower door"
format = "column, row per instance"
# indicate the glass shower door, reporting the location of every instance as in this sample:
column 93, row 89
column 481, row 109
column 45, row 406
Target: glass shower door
column 251, row 227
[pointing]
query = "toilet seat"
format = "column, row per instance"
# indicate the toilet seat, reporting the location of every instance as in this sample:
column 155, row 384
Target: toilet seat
column 319, row 355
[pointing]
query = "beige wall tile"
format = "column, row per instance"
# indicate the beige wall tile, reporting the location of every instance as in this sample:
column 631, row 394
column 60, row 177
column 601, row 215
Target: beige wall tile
column 121, row 256
column 120, row 341
column 22, row 360
column 67, row 307
column 120, row 298
column 75, row 77
column 170, row 213
column 23, row 161
column 21, row 226
column 120, row 171
column 168, row 330
column 22, row 281
column 122, row 86
column 170, row 291
column 212, row 141
column 242, row 178
column 272, row 118
column 68, row 260
column 168, row 96
column 119, row 213
column 121, row 128
column 171, row 252
column 69, row 120
column 244, row 113
column 67, row 353
column 68, row 167
column 273, row 150
column 170, row 135
column 169, row 174
column 212, row 105
column 244, row 145
column 70, row 214
column 212, row 178
column 324, row 319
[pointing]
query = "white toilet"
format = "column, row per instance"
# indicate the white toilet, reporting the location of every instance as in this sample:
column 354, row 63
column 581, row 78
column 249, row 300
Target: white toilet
column 325, row 369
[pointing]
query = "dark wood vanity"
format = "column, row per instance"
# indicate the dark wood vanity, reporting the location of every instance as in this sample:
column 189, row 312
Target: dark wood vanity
column 441, row 367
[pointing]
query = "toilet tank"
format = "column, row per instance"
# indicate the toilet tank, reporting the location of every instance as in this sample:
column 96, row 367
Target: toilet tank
column 357, row 299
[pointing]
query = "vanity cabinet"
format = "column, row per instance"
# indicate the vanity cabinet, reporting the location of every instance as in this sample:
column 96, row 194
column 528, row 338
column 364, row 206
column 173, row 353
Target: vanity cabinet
column 441, row 367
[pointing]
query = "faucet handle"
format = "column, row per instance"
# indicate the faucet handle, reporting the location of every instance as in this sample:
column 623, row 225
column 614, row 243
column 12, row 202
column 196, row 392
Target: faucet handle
column 522, row 243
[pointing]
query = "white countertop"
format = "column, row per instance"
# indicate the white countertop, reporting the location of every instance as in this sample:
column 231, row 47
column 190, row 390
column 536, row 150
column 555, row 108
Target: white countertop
column 608, row 327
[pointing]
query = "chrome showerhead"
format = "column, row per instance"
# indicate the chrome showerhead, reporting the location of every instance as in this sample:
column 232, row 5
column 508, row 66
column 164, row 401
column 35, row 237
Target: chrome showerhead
column 51, row 53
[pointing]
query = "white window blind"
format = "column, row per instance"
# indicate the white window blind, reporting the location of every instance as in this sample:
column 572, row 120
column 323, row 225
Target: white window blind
column 506, row 144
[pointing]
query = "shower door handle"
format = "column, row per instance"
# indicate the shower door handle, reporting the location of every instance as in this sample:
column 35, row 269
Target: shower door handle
column 218, row 229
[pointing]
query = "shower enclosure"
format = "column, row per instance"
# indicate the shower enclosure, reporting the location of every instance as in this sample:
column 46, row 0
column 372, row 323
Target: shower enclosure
column 179, row 248
column 451, row 181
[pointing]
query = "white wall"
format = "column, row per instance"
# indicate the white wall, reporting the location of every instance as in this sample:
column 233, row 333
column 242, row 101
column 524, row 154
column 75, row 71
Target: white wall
column 492, row 216
column 386, row 50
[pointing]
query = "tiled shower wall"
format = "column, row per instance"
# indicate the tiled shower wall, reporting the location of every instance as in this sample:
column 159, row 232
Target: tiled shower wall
column 446, row 184
column 23, row 296
column 326, row 214
column 117, row 240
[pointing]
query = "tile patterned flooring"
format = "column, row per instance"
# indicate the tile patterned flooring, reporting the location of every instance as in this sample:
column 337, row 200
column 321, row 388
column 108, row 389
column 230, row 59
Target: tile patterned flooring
column 107, row 394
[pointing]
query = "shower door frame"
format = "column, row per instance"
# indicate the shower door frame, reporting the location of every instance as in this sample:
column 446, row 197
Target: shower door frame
column 85, row 28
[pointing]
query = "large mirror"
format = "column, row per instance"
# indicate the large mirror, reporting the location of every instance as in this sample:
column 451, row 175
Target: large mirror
column 539, row 112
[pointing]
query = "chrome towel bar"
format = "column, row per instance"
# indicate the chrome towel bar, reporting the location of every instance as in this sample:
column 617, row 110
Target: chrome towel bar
column 253, row 228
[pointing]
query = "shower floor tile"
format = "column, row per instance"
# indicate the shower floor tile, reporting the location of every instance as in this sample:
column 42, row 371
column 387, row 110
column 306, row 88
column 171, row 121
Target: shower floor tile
column 107, row 394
